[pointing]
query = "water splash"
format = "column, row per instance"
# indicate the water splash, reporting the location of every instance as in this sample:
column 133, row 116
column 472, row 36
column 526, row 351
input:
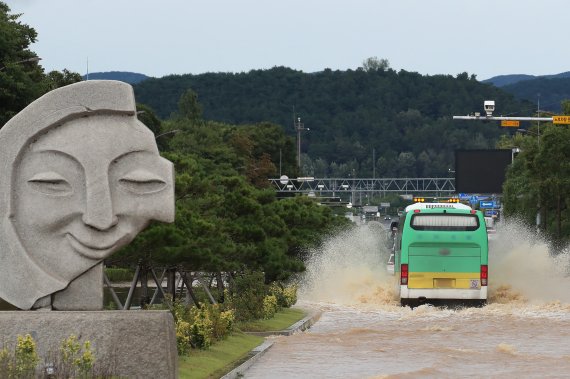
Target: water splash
column 524, row 267
column 350, row 269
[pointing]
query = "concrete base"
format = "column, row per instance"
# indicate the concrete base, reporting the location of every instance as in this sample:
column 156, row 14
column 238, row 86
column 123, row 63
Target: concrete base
column 139, row 344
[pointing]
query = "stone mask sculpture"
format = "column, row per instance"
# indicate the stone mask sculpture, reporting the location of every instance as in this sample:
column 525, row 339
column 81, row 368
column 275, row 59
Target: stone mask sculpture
column 80, row 178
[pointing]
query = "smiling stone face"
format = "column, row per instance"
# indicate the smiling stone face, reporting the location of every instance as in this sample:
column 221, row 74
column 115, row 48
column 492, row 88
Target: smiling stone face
column 87, row 188
column 81, row 177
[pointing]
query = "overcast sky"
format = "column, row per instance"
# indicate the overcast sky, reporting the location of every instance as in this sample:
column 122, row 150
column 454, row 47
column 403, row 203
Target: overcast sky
column 157, row 38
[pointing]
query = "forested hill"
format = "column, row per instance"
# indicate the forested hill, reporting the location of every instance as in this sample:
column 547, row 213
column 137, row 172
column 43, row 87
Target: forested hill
column 402, row 119
column 550, row 90
column 123, row 76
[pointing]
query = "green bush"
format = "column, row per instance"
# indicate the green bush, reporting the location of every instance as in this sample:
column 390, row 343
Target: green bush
column 22, row 362
column 247, row 292
column 222, row 321
column 247, row 298
column 286, row 295
column 290, row 296
column 202, row 327
column 183, row 337
column 270, row 306
column 72, row 360
column 199, row 327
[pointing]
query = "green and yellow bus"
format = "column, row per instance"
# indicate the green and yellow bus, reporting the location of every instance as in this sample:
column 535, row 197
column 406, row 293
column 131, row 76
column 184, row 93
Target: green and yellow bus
column 441, row 252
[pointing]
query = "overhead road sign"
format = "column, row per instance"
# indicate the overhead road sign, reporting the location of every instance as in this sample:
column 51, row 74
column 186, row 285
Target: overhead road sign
column 561, row 120
column 510, row 124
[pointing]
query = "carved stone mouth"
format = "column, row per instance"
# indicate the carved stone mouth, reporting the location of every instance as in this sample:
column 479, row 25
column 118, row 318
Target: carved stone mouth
column 88, row 250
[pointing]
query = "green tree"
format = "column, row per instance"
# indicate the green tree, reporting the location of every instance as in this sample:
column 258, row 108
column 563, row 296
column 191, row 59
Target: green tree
column 225, row 219
column 20, row 75
column 22, row 79
column 375, row 64
column 553, row 164
column 56, row 79
column 538, row 180
column 189, row 107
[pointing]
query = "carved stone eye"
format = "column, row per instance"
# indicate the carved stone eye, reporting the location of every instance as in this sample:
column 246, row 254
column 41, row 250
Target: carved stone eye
column 142, row 182
column 50, row 183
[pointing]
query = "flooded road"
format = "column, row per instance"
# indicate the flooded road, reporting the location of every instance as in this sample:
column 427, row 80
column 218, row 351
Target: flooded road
column 524, row 331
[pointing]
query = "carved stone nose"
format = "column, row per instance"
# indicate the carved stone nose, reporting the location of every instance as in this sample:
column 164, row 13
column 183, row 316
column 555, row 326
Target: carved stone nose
column 99, row 212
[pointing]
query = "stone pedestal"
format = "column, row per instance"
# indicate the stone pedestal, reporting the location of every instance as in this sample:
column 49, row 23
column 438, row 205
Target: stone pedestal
column 139, row 344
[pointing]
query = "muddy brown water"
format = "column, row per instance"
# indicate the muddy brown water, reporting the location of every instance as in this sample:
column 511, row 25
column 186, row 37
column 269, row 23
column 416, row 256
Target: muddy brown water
column 523, row 332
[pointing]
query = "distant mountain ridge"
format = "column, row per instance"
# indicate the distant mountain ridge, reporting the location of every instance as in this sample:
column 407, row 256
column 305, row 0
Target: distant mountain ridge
column 123, row 76
column 548, row 90
column 504, row 80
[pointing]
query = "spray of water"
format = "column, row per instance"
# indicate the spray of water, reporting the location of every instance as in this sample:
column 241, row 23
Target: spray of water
column 524, row 267
column 350, row 269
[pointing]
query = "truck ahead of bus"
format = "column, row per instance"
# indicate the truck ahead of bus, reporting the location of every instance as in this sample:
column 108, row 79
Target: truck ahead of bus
column 441, row 253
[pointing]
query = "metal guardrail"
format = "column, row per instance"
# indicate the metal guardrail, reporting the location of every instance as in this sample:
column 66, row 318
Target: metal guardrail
column 337, row 186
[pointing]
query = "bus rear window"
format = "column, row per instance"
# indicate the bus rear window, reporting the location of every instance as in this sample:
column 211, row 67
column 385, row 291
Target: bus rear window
column 445, row 221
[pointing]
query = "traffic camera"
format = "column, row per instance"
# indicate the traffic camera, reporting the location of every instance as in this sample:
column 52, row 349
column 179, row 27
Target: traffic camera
column 489, row 106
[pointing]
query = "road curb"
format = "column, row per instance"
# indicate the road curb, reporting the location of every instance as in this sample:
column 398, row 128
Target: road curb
column 299, row 326
column 254, row 355
column 258, row 351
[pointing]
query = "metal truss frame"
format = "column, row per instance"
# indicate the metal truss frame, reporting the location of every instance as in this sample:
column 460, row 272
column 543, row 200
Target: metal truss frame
column 337, row 186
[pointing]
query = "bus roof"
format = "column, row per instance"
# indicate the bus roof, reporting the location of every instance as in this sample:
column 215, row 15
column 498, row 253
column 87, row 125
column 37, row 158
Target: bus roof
column 437, row 206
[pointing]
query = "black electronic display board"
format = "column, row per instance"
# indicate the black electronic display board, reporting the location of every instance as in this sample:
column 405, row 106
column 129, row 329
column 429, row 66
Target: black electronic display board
column 481, row 171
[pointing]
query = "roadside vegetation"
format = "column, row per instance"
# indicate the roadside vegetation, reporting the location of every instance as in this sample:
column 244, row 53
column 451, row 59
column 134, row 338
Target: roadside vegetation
column 211, row 338
column 71, row 359
column 538, row 181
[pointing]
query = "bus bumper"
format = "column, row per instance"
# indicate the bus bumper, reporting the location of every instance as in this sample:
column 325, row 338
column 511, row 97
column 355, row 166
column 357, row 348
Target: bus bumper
column 443, row 293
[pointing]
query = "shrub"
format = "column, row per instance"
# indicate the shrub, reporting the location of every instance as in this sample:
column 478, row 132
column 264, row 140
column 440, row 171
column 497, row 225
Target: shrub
column 25, row 358
column 222, row 321
column 76, row 359
column 276, row 289
column 270, row 306
column 183, row 336
column 247, row 294
column 201, row 330
column 286, row 296
column 290, row 295
column 72, row 360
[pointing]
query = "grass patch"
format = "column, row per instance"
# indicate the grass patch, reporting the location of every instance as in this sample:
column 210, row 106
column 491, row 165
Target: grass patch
column 282, row 320
column 221, row 358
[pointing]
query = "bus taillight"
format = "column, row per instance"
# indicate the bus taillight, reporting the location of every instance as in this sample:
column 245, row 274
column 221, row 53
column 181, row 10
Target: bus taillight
column 484, row 275
column 404, row 274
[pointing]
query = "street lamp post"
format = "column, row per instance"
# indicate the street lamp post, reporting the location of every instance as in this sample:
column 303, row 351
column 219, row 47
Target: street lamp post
column 32, row 59
column 514, row 150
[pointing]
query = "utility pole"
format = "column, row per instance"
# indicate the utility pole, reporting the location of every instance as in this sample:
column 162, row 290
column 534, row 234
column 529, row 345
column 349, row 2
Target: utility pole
column 374, row 163
column 299, row 127
column 538, row 114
